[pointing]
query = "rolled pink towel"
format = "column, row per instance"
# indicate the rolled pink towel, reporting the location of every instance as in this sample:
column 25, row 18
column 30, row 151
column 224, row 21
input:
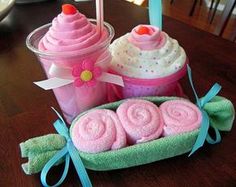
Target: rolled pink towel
column 180, row 116
column 141, row 120
column 97, row 131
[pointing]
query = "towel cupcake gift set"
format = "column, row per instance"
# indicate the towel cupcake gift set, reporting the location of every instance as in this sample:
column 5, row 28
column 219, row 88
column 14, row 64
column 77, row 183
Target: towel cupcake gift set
column 122, row 103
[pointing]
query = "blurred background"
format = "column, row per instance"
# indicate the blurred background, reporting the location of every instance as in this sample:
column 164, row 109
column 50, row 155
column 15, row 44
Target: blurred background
column 215, row 16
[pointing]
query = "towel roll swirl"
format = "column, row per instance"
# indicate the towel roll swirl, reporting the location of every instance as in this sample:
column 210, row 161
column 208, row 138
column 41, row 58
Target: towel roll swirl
column 97, row 131
column 141, row 120
column 180, row 116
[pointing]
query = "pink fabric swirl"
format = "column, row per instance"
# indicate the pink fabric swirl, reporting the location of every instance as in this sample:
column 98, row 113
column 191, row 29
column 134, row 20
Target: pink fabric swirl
column 180, row 116
column 70, row 33
column 141, row 120
column 154, row 40
column 97, row 131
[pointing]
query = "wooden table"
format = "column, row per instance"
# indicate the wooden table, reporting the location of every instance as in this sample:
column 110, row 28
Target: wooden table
column 25, row 109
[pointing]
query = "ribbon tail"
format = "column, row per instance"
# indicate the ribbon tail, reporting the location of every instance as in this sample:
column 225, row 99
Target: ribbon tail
column 202, row 134
column 51, row 163
column 155, row 13
column 60, row 125
column 215, row 89
column 191, row 83
column 61, row 128
column 53, row 83
column 79, row 166
column 111, row 78
column 59, row 116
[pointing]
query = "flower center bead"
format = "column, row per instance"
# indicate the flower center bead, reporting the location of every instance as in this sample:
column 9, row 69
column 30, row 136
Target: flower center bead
column 86, row 75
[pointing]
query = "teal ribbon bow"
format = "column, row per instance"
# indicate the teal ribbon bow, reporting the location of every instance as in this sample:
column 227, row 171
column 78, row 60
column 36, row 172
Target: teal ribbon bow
column 69, row 151
column 155, row 13
column 205, row 125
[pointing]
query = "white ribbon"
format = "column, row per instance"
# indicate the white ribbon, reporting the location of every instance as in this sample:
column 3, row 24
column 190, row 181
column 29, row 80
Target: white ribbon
column 62, row 76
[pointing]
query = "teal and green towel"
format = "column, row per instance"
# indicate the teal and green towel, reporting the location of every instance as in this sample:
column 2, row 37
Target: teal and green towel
column 41, row 149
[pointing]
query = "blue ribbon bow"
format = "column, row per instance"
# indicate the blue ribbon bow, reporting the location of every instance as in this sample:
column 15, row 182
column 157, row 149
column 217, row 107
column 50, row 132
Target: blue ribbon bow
column 203, row 133
column 155, row 13
column 69, row 151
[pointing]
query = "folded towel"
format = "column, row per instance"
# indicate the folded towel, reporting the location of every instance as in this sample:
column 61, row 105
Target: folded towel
column 36, row 162
column 39, row 150
column 98, row 130
column 180, row 116
column 141, row 120
column 221, row 113
column 50, row 142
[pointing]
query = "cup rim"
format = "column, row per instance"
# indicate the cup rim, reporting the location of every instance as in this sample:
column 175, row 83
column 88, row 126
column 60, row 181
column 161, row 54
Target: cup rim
column 111, row 33
column 156, row 81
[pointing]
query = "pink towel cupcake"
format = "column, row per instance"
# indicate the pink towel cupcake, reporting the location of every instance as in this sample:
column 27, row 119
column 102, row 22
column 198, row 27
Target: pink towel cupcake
column 180, row 116
column 150, row 62
column 141, row 120
column 97, row 131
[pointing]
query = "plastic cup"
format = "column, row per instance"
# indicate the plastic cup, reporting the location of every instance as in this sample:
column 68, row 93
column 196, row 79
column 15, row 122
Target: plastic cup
column 71, row 99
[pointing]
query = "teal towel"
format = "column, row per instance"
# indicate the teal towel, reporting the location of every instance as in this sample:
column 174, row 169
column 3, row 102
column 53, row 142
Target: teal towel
column 221, row 113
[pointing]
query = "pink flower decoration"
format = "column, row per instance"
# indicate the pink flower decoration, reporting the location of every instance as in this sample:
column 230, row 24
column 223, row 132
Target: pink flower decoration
column 86, row 73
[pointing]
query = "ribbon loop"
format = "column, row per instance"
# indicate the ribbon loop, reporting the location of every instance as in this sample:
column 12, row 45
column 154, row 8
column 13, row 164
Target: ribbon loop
column 210, row 140
column 59, row 155
column 69, row 151
column 205, row 125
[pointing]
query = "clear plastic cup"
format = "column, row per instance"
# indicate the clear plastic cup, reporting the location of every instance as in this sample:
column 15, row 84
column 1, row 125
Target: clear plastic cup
column 74, row 100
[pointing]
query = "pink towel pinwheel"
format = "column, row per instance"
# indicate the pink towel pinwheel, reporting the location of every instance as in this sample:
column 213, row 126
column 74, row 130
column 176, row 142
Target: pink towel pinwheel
column 141, row 120
column 97, row 131
column 180, row 116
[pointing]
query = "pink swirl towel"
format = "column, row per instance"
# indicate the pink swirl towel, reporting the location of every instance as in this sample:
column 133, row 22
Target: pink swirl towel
column 180, row 116
column 98, row 130
column 141, row 120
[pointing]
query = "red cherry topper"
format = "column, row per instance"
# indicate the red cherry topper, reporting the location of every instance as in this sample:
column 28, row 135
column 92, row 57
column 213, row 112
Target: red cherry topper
column 143, row 30
column 68, row 9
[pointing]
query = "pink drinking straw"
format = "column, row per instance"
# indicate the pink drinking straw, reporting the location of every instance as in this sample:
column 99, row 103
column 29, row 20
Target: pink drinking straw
column 100, row 15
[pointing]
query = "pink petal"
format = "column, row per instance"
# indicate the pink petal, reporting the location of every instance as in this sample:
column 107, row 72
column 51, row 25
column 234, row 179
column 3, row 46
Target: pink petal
column 97, row 72
column 91, row 83
column 76, row 71
column 88, row 65
column 78, row 82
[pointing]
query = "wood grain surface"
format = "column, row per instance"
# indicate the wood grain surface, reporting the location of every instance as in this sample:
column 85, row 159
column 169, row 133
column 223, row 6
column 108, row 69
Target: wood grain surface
column 25, row 109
